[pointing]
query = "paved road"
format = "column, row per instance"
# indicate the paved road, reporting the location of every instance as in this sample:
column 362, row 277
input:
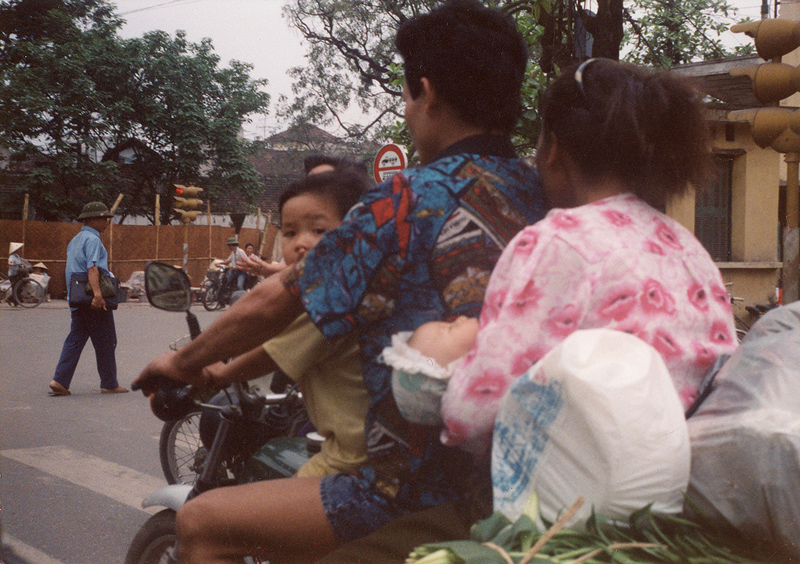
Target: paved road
column 74, row 469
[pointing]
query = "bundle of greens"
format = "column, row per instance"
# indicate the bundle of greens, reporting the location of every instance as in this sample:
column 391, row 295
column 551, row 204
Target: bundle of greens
column 648, row 537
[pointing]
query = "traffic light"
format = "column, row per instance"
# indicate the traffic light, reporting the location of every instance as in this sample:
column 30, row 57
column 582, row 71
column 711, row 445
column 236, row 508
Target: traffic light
column 775, row 127
column 187, row 203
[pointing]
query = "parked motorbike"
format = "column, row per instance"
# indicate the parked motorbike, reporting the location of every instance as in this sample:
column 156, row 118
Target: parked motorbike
column 246, row 435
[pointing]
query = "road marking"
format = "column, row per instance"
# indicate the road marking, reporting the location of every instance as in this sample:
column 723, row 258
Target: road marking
column 112, row 480
column 27, row 553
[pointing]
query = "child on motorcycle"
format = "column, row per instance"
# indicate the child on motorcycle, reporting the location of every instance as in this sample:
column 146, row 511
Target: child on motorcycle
column 329, row 373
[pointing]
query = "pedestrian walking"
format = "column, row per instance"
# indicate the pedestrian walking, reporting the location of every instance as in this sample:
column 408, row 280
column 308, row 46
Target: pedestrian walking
column 86, row 254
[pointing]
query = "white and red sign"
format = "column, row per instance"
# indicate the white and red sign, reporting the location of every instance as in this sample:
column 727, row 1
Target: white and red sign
column 391, row 159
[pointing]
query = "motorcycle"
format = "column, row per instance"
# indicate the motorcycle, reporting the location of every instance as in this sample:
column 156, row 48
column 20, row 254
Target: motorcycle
column 247, row 436
column 219, row 290
column 180, row 448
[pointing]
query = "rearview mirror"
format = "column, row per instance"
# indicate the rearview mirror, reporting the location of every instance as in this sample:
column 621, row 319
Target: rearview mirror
column 167, row 287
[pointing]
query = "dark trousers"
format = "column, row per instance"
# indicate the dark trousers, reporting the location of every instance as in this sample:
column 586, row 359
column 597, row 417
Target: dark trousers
column 97, row 325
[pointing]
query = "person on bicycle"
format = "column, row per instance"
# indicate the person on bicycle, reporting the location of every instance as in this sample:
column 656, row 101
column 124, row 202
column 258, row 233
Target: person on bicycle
column 18, row 267
column 235, row 276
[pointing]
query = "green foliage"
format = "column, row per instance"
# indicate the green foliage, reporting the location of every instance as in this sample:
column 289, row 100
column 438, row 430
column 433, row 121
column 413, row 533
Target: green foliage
column 71, row 89
column 351, row 61
column 647, row 538
column 351, row 58
column 663, row 33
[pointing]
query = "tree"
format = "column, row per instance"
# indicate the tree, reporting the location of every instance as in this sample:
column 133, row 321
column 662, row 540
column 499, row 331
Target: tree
column 351, row 60
column 71, row 88
column 49, row 105
column 663, row 33
column 351, row 57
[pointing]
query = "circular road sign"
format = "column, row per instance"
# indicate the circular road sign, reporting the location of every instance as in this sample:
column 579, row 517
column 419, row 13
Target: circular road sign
column 391, row 159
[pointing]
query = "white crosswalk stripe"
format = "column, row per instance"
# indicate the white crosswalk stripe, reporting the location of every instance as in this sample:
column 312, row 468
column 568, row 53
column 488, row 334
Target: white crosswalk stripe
column 114, row 481
column 27, row 552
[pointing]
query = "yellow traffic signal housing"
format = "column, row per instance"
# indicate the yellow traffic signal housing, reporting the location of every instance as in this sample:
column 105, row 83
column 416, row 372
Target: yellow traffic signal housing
column 773, row 38
column 186, row 203
column 771, row 81
column 187, row 191
column 775, row 127
column 188, row 216
column 778, row 128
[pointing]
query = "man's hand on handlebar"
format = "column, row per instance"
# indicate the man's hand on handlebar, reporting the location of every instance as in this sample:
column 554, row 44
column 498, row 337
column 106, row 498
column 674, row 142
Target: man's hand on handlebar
column 160, row 370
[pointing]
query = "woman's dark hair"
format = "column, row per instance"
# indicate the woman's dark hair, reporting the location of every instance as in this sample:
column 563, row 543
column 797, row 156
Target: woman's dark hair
column 473, row 56
column 345, row 186
column 647, row 130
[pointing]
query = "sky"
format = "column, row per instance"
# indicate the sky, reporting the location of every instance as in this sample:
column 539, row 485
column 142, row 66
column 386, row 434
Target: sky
column 254, row 31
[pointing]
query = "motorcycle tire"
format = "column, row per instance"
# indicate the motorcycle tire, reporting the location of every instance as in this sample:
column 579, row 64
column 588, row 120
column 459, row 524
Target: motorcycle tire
column 211, row 297
column 155, row 542
column 180, row 449
column 28, row 292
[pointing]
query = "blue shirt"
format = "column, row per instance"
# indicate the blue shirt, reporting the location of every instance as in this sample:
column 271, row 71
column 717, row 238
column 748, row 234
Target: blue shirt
column 84, row 251
column 419, row 247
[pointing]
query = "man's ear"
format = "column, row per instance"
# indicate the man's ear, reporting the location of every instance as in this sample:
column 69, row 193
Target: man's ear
column 429, row 94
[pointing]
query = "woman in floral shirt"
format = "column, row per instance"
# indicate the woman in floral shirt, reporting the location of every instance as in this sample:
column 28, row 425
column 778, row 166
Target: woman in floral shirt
column 617, row 143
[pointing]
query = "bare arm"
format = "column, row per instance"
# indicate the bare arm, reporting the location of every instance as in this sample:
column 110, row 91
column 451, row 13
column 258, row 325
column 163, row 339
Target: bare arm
column 260, row 267
column 94, row 283
column 248, row 366
column 258, row 316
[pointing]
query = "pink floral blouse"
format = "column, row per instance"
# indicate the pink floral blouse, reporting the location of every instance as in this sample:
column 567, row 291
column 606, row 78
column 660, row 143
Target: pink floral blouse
column 616, row 263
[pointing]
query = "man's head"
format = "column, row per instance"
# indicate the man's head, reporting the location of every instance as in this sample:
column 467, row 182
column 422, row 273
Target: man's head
column 232, row 243
column 96, row 215
column 472, row 56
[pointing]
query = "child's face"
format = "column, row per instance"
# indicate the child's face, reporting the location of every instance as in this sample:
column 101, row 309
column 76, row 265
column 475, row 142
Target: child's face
column 304, row 220
column 445, row 341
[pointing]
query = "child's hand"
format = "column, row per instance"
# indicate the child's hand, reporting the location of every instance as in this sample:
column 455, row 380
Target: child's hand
column 259, row 267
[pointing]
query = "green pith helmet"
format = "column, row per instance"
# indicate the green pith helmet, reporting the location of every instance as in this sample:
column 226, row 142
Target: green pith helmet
column 232, row 241
column 94, row 209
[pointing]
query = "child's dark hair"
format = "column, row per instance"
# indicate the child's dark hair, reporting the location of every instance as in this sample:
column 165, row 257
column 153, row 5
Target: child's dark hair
column 345, row 185
column 473, row 56
column 647, row 130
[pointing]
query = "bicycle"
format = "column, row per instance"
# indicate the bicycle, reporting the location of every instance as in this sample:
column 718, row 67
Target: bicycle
column 24, row 291
column 755, row 311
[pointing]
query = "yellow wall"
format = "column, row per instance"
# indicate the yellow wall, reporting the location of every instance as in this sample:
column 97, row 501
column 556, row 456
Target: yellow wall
column 753, row 272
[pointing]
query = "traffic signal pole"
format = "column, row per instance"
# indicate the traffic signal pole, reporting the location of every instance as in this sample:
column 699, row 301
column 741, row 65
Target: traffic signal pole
column 187, row 205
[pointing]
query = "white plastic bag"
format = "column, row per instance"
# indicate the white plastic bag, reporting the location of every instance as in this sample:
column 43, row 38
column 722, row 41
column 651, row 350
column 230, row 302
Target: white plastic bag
column 746, row 435
column 597, row 417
